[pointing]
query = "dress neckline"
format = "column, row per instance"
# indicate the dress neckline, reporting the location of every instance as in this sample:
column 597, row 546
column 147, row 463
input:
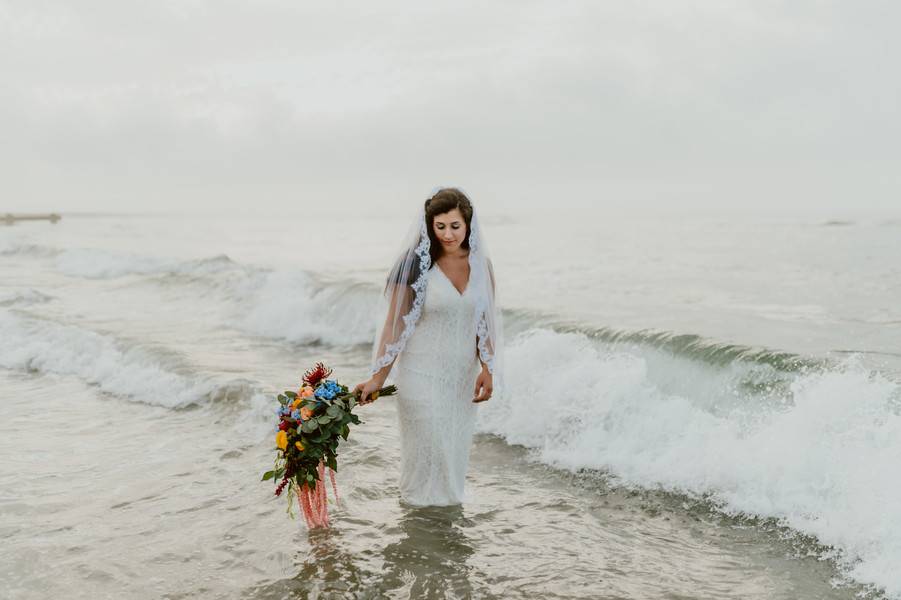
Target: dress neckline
column 465, row 289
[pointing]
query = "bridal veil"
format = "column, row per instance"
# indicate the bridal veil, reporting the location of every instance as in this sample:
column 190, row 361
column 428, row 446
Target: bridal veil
column 405, row 289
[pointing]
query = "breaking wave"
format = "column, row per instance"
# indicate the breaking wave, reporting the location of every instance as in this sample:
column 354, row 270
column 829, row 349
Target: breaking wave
column 816, row 448
column 136, row 372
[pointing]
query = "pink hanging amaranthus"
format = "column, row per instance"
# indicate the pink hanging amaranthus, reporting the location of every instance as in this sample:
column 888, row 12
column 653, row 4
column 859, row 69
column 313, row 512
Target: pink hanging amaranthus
column 312, row 421
column 313, row 501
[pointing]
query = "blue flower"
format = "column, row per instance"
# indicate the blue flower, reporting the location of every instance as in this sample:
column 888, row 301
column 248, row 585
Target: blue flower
column 296, row 415
column 327, row 390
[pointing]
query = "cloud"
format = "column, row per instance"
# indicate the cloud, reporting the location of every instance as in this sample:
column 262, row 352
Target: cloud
column 137, row 106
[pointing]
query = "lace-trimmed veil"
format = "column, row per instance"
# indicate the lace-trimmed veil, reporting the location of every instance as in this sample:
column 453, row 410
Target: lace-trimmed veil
column 405, row 290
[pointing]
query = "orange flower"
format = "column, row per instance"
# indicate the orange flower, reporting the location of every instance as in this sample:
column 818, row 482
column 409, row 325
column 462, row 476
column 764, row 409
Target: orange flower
column 306, row 392
column 306, row 413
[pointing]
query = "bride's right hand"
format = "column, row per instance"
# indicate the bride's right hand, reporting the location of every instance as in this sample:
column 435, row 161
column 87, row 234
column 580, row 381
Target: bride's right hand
column 365, row 389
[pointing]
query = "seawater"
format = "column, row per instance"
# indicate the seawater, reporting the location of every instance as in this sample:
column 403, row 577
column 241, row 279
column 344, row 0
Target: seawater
column 696, row 407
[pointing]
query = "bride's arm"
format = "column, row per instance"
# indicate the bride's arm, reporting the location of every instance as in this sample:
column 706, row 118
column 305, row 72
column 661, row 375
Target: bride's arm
column 485, row 381
column 488, row 344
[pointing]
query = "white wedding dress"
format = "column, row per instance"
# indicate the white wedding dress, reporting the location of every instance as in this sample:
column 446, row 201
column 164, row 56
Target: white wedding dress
column 435, row 376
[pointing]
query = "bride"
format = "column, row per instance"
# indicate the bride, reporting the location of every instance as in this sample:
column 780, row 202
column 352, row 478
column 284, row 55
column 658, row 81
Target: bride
column 442, row 335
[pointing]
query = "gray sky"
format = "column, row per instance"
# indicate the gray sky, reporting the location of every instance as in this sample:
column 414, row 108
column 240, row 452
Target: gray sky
column 271, row 104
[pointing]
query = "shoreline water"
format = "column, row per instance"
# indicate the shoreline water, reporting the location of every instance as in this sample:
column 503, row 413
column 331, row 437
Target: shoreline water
column 154, row 351
column 183, row 515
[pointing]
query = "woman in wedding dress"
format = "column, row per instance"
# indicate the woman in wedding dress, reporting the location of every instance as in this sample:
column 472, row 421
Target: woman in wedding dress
column 442, row 336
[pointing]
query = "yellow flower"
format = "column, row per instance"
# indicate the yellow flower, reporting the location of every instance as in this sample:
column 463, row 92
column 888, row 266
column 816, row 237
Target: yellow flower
column 281, row 440
column 299, row 446
column 296, row 403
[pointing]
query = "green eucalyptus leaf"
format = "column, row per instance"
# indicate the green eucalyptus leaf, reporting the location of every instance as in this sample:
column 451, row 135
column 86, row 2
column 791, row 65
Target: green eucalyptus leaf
column 268, row 475
column 291, row 395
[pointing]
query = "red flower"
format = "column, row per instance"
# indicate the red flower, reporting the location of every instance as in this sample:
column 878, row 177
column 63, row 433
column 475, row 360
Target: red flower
column 281, row 486
column 283, row 426
column 316, row 374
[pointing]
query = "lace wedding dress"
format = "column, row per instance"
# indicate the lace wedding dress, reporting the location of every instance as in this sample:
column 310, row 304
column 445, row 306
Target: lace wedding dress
column 435, row 376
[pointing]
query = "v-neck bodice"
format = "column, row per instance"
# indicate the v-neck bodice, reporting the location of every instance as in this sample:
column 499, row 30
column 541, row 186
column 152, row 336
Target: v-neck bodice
column 448, row 279
column 446, row 327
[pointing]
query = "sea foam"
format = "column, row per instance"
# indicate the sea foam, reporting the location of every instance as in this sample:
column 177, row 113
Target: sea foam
column 818, row 450
column 94, row 263
column 288, row 304
column 135, row 372
column 23, row 297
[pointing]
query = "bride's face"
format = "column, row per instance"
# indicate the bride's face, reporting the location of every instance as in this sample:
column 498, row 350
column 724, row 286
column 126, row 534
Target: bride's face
column 450, row 229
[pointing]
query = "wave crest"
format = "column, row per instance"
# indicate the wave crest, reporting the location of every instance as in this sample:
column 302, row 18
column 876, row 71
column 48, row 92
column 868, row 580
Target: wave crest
column 816, row 449
column 132, row 371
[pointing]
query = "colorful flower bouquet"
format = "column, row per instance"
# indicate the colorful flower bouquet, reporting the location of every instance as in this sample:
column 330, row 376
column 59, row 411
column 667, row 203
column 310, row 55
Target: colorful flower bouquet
column 311, row 423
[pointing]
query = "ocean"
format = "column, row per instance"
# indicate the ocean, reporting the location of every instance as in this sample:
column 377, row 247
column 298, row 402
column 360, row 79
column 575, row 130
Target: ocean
column 696, row 407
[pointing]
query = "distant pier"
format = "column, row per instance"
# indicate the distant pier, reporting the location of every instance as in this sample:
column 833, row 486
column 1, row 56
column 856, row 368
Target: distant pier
column 10, row 218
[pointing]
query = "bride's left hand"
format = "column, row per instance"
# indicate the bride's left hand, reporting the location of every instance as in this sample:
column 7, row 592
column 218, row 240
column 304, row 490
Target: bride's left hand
column 484, row 386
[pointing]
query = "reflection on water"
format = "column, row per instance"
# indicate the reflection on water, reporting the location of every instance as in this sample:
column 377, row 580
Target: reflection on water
column 431, row 559
column 328, row 567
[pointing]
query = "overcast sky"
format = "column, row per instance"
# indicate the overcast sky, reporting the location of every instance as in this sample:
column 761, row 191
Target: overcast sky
column 120, row 105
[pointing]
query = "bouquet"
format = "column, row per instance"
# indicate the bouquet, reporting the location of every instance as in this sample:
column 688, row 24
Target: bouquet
column 311, row 423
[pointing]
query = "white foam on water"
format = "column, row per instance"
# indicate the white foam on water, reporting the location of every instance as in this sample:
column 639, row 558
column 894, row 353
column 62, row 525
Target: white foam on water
column 15, row 246
column 23, row 297
column 92, row 263
column 290, row 305
column 128, row 371
column 286, row 304
column 823, row 459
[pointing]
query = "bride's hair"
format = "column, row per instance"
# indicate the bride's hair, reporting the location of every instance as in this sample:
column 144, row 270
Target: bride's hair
column 446, row 200
column 442, row 201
